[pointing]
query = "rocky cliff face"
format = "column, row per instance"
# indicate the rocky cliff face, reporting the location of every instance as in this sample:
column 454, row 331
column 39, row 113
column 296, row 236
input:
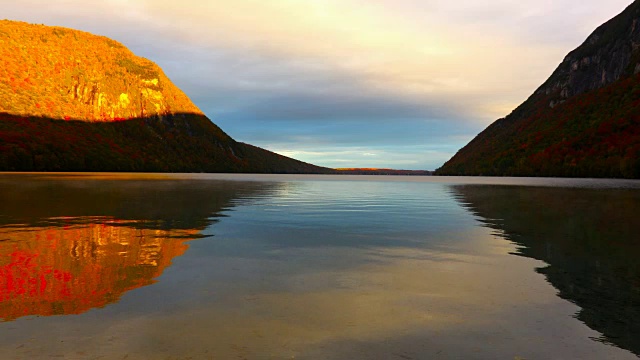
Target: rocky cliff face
column 584, row 121
column 67, row 74
column 611, row 52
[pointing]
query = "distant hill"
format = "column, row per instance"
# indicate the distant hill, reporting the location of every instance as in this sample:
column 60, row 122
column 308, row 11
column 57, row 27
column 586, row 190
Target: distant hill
column 376, row 171
column 584, row 121
column 73, row 101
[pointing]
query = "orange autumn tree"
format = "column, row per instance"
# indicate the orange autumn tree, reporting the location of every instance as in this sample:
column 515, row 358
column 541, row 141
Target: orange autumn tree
column 67, row 74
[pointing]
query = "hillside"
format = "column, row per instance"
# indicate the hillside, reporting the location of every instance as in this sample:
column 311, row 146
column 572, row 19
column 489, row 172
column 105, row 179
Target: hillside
column 584, row 121
column 73, row 101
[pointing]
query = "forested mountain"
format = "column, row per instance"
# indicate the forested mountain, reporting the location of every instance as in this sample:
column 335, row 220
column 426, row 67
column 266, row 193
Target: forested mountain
column 73, row 101
column 584, row 121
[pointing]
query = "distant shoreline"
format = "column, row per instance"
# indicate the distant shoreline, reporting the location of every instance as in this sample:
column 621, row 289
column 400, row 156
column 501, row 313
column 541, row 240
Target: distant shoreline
column 372, row 171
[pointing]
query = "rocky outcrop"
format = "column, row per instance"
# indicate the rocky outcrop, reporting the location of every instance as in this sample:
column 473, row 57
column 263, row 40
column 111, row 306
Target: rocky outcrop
column 67, row 74
column 611, row 52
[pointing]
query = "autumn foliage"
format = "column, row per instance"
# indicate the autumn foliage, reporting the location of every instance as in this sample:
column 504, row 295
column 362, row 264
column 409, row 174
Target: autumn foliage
column 596, row 134
column 67, row 74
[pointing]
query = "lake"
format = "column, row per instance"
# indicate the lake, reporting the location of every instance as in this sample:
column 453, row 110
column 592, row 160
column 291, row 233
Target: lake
column 137, row 266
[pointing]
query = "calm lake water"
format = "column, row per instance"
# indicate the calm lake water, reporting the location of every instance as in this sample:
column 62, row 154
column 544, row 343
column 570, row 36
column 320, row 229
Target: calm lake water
column 317, row 267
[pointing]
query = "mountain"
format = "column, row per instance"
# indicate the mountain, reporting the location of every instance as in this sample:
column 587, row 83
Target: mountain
column 584, row 121
column 73, row 101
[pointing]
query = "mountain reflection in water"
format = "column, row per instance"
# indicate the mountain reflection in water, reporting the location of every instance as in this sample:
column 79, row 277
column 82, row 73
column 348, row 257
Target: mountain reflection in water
column 53, row 271
column 588, row 238
column 314, row 267
column 69, row 246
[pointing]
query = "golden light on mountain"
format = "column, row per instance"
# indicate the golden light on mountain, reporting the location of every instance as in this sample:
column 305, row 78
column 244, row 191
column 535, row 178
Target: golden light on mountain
column 67, row 74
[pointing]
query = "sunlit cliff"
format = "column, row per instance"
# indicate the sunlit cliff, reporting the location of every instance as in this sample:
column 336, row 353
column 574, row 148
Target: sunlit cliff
column 77, row 75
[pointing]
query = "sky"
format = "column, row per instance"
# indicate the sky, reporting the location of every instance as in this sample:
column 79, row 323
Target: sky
column 344, row 83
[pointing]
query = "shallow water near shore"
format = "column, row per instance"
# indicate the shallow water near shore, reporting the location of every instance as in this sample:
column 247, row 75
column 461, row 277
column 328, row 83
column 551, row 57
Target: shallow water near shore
column 137, row 266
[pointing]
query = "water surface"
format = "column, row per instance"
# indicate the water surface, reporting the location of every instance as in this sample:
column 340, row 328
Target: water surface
column 317, row 267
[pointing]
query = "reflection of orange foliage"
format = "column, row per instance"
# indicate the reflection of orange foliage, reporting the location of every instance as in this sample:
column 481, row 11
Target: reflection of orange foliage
column 70, row 270
column 23, row 277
